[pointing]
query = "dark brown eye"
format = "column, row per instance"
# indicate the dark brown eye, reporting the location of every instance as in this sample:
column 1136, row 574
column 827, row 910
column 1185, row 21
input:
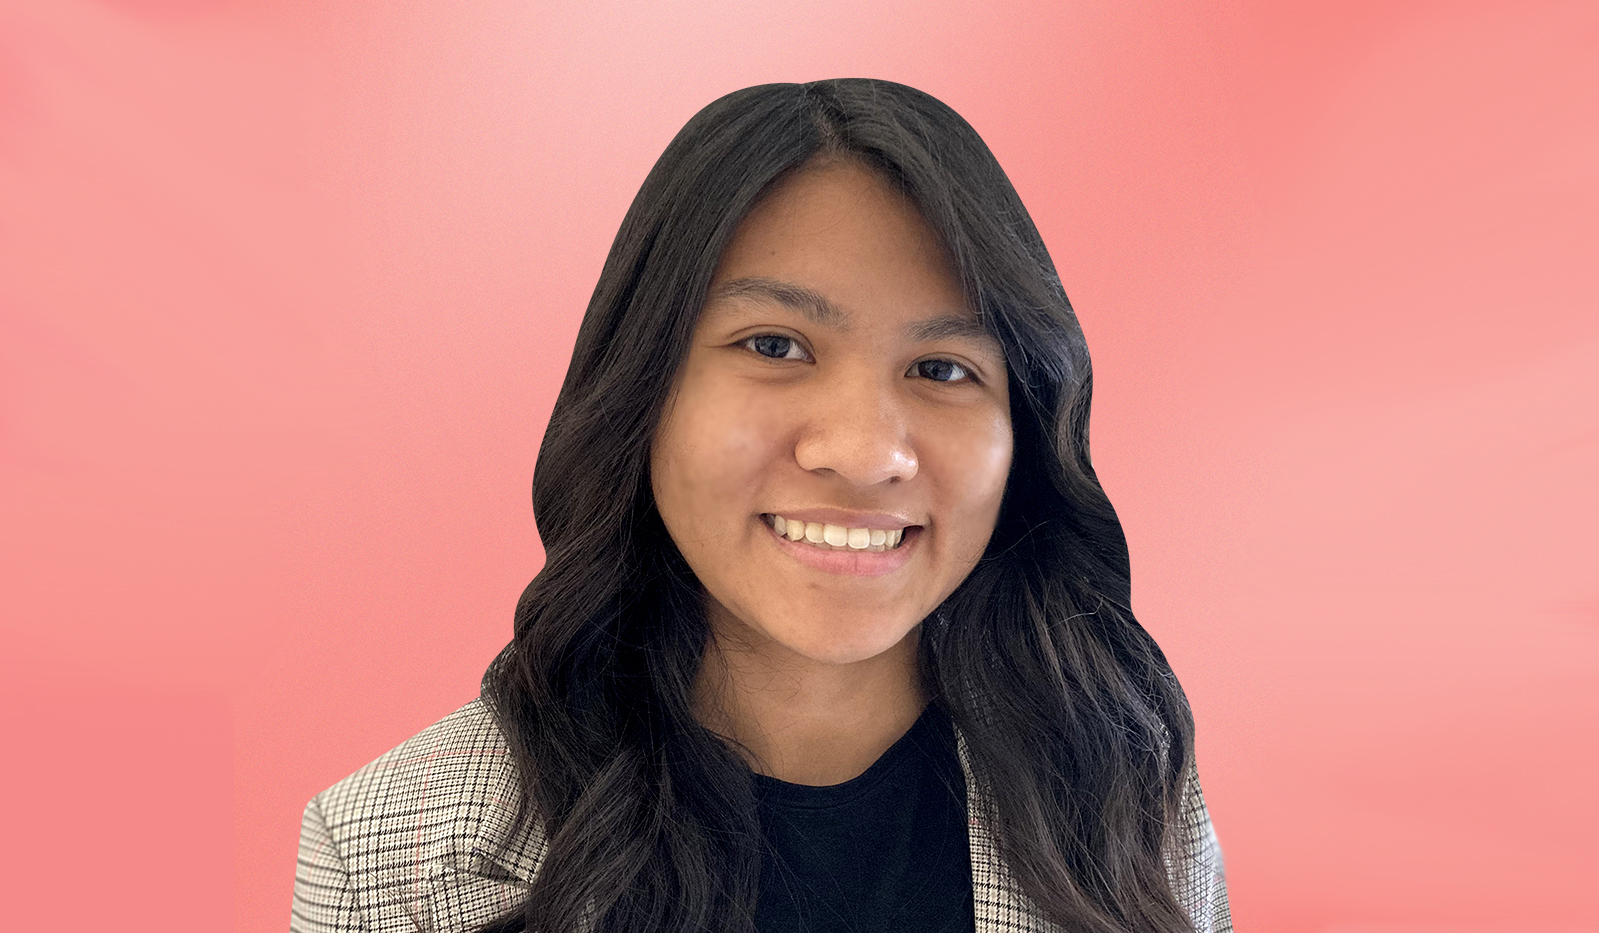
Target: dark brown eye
column 771, row 345
column 777, row 347
column 941, row 370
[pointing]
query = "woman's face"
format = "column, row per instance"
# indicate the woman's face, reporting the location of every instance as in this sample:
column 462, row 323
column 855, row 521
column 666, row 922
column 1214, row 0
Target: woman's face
column 839, row 398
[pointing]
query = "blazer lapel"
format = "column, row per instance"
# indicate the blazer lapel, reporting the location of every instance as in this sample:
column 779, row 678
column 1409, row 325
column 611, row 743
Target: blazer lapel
column 998, row 903
column 490, row 878
column 500, row 848
column 460, row 900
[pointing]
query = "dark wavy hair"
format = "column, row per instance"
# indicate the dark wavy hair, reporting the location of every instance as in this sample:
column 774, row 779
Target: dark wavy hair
column 1071, row 716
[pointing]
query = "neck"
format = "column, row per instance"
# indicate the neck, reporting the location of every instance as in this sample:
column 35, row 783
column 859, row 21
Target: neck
column 806, row 721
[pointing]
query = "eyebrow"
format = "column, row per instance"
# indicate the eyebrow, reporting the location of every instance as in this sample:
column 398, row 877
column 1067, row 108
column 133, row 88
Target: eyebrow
column 948, row 327
column 808, row 302
column 816, row 308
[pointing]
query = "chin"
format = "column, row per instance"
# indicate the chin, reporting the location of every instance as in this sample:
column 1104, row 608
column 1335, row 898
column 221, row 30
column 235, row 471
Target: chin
column 842, row 644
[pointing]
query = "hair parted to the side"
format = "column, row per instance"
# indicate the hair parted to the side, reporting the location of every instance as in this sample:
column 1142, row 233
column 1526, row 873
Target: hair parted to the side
column 1071, row 716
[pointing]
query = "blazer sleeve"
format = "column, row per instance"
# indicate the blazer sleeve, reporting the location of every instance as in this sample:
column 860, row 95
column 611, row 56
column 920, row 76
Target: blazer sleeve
column 324, row 901
column 1200, row 882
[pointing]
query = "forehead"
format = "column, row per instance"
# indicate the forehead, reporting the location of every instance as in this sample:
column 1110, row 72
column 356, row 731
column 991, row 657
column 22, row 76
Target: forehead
column 842, row 231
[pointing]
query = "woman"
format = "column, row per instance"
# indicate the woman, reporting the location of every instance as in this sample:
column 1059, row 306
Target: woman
column 833, row 631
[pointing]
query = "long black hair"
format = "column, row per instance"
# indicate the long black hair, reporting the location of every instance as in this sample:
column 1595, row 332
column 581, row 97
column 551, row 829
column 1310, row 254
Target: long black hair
column 1070, row 715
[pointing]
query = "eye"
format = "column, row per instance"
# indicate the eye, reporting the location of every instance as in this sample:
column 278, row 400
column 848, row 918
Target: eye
column 777, row 347
column 942, row 371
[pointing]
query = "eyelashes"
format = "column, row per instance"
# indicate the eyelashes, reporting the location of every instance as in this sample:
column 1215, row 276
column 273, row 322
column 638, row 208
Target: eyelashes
column 784, row 347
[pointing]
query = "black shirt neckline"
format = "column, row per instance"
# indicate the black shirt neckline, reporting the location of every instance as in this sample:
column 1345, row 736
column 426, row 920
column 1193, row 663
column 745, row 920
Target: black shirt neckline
column 920, row 739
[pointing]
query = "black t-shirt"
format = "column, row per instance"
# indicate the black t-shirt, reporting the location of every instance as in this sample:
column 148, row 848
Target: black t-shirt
column 884, row 851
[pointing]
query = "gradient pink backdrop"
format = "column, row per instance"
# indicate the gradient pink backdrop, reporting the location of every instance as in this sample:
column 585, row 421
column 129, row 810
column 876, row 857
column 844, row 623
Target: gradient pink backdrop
column 287, row 290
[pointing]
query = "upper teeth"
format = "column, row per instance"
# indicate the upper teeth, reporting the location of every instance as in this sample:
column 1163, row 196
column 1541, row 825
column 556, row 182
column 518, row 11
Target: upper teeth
column 824, row 535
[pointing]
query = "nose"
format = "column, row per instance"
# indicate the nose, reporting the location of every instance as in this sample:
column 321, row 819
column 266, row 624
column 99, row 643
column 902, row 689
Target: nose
column 857, row 429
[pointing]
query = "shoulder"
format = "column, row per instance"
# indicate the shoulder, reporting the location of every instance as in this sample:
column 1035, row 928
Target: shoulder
column 433, row 817
column 448, row 774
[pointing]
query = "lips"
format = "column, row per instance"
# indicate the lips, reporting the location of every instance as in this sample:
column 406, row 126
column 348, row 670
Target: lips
column 869, row 561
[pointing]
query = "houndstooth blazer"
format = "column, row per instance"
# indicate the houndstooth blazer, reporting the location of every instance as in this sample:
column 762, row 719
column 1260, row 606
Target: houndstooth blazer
column 423, row 839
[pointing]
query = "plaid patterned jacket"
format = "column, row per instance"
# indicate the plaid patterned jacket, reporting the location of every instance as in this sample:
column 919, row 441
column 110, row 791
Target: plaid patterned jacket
column 421, row 840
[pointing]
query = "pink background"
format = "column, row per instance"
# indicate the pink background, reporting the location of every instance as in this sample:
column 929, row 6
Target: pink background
column 287, row 289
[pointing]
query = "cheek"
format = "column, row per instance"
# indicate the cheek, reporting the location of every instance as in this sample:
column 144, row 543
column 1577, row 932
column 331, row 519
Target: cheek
column 710, row 456
column 974, row 465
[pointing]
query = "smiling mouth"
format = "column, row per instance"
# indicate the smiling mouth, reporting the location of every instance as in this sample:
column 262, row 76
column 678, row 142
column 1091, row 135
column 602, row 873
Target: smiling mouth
column 836, row 537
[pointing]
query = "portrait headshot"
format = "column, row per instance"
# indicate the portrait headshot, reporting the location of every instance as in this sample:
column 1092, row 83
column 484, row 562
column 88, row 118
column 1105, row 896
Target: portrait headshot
column 1050, row 467
column 834, row 629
